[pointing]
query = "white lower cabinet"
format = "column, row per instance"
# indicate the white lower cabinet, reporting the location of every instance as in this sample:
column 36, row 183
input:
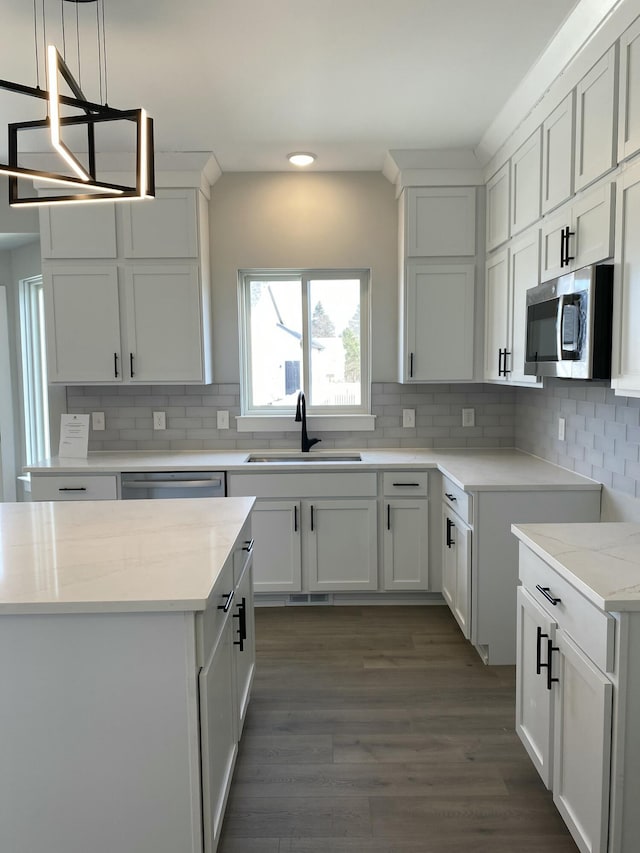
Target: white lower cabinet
column 456, row 568
column 277, row 563
column 564, row 698
column 406, row 544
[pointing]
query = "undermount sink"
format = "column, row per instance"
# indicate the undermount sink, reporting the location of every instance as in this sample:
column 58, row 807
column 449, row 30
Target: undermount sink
column 305, row 457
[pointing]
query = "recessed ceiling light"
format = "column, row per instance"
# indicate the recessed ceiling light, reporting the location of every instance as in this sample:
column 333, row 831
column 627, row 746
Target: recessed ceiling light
column 301, row 158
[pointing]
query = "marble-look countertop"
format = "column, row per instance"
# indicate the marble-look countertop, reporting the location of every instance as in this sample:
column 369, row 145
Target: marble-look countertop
column 601, row 560
column 472, row 470
column 115, row 556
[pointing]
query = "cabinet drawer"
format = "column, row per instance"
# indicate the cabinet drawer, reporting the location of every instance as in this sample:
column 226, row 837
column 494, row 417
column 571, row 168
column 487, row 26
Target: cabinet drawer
column 460, row 501
column 309, row 485
column 406, row 483
column 74, row 488
column 210, row 622
column 591, row 629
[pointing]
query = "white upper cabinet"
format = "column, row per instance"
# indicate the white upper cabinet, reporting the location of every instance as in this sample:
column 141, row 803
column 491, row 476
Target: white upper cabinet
column 557, row 154
column 524, row 272
column 498, row 208
column 164, row 228
column 580, row 234
column 626, row 323
column 497, row 325
column 596, row 97
column 439, row 323
column 526, row 165
column 629, row 97
column 440, row 222
column 162, row 311
column 78, row 231
column 82, row 314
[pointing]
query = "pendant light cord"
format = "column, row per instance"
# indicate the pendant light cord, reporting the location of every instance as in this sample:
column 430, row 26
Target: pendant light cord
column 78, row 45
column 104, row 54
column 64, row 37
column 35, row 39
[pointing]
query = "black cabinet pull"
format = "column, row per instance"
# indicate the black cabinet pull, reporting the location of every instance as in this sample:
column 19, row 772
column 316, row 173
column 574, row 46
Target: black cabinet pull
column 411, row 365
column 539, row 664
column 229, row 598
column 115, row 365
column 450, row 526
column 545, row 591
column 248, row 546
column 450, row 496
column 563, row 238
column 72, row 488
column 311, row 516
column 506, row 371
column 550, row 650
column 388, row 516
column 295, row 519
column 131, row 365
column 412, row 485
column 567, row 256
column 241, row 616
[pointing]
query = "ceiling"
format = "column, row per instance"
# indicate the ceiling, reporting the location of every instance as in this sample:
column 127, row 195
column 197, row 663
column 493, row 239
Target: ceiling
column 252, row 80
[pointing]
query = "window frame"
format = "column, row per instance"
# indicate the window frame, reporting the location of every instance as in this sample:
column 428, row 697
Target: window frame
column 305, row 277
column 35, row 392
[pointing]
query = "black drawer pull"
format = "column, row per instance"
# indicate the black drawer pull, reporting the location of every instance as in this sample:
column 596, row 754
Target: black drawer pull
column 248, row 546
column 229, row 598
column 412, row 485
column 545, row 591
column 450, row 496
column 72, row 489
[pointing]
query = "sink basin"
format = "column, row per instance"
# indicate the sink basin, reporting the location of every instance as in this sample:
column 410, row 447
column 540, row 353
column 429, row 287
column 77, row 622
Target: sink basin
column 305, row 457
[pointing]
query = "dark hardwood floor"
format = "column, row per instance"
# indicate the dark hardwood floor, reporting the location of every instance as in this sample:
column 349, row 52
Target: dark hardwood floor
column 379, row 730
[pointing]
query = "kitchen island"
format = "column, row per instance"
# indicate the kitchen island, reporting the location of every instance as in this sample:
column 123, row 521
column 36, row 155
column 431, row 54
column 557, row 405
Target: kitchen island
column 126, row 652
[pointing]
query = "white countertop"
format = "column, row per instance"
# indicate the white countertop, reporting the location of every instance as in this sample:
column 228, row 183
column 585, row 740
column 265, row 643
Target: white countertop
column 472, row 470
column 601, row 560
column 115, row 556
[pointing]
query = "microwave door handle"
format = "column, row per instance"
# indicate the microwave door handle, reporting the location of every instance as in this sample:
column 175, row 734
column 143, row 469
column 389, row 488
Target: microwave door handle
column 560, row 325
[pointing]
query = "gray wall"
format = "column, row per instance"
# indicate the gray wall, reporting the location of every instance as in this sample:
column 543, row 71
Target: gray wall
column 280, row 220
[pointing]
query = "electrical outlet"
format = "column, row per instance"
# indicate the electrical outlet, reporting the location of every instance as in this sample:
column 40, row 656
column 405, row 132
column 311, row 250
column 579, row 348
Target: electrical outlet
column 560, row 429
column 159, row 420
column 222, row 419
column 408, row 417
column 97, row 421
column 468, row 417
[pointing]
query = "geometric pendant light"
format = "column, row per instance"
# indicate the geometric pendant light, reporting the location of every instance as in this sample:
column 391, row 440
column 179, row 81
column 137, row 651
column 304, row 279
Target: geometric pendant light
column 83, row 175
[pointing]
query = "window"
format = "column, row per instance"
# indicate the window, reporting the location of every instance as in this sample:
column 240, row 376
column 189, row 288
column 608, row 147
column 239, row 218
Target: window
column 34, row 370
column 305, row 331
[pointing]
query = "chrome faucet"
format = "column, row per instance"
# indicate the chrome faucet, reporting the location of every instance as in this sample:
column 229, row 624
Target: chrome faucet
column 301, row 416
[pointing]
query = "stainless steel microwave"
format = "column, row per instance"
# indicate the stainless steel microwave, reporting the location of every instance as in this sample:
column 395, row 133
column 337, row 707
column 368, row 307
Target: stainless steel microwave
column 569, row 325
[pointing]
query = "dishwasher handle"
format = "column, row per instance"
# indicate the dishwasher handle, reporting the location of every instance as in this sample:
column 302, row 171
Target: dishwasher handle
column 170, row 484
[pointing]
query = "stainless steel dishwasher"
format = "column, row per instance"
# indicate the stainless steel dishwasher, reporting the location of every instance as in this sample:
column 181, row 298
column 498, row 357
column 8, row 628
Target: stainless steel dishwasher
column 173, row 484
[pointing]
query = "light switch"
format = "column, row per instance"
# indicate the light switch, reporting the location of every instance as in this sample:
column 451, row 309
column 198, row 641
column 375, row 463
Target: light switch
column 97, row 421
column 159, row 420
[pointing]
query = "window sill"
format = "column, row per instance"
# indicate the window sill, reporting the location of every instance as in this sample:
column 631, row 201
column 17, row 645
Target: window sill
column 315, row 423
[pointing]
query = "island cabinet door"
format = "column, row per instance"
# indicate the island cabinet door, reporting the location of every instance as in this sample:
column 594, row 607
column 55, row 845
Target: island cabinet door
column 244, row 640
column 582, row 745
column 217, row 733
column 534, row 718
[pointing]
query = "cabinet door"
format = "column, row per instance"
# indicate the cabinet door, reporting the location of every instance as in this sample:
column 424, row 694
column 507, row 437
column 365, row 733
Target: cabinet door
column 534, row 718
column 557, row 155
column 626, row 343
column 498, row 208
column 526, row 165
column 406, row 544
column 496, row 306
column 218, row 740
column 82, row 317
column 275, row 527
column 341, row 544
column 78, row 231
column 439, row 322
column 629, row 97
column 592, row 222
column 456, row 570
column 163, row 227
column 244, row 643
column 524, row 272
column 595, row 121
column 164, row 324
column 582, row 745
column 551, row 240
column 441, row 221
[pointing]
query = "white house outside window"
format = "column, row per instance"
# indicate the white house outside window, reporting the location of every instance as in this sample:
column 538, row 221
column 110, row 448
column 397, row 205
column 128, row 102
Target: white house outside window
column 309, row 331
column 34, row 370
